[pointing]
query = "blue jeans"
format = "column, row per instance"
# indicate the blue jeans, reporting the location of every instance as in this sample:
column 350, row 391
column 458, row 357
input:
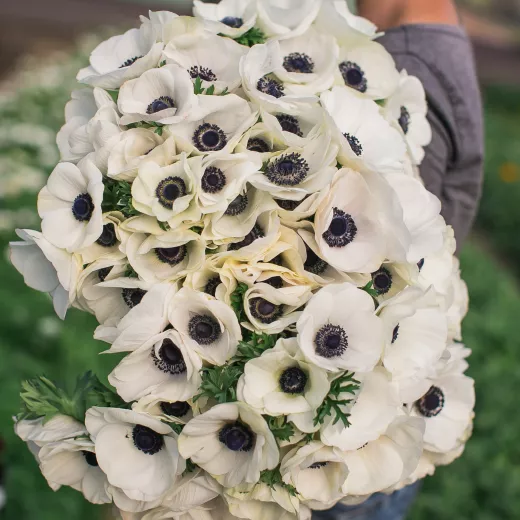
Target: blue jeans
column 377, row 507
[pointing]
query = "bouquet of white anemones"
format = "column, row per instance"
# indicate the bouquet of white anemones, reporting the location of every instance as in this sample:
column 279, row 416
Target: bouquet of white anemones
column 239, row 206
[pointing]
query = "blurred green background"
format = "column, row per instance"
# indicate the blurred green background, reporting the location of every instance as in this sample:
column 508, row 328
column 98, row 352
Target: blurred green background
column 483, row 485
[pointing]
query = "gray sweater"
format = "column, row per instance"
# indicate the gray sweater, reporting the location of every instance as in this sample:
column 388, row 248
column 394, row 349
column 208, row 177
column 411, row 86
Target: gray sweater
column 441, row 57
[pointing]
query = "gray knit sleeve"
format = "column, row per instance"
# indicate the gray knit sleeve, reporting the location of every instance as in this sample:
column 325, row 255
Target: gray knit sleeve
column 441, row 57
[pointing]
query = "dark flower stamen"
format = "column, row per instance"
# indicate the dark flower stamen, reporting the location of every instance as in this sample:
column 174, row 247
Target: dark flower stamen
column 147, row 440
column 177, row 409
column 237, row 437
column 288, row 205
column 318, row 465
column 90, row 458
column 108, row 237
column 103, row 273
column 354, row 143
column 271, row 87
column 171, row 255
column 314, row 264
column 160, row 104
column 404, row 120
column 233, row 22
column 395, row 333
column 289, row 124
column 132, row 297
column 204, row 329
column 203, row 73
column 211, row 285
column 169, row 359
column 353, row 76
column 293, row 380
column 287, row 170
column 253, row 235
column 83, row 207
column 275, row 281
column 237, row 206
column 258, row 145
column 213, row 180
column 298, row 62
column 420, row 264
column 169, row 190
column 130, row 61
column 331, row 341
column 209, row 138
column 382, row 280
column 431, row 403
column 264, row 310
column 342, row 229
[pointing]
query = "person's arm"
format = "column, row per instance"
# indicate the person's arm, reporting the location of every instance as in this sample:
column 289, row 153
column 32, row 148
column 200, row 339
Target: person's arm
column 425, row 39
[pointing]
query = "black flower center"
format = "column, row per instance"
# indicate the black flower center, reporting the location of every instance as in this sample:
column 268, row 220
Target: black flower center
column 258, row 145
column 275, row 281
column 237, row 206
column 293, row 380
column 287, row 170
column 103, row 273
column 147, row 440
column 342, row 229
column 237, row 437
column 431, row 403
column 233, row 21
column 213, row 180
column 353, row 76
column 288, row 205
column 289, row 124
column 298, row 62
column 264, row 310
column 382, row 280
column 253, row 235
column 314, row 264
column 354, row 143
column 108, row 237
column 177, row 409
column 331, row 341
column 169, row 190
column 204, row 329
column 318, row 465
column 132, row 297
column 83, row 207
column 271, row 87
column 160, row 104
column 209, row 138
column 404, row 120
column 169, row 359
column 395, row 333
column 211, row 285
column 420, row 263
column 171, row 255
column 203, row 73
column 90, row 458
column 130, row 61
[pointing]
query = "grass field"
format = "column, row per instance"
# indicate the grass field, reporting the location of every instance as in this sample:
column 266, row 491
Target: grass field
column 482, row 485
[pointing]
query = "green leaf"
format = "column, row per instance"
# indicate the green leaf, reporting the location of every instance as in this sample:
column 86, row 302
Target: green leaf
column 159, row 130
column 280, row 427
column 252, row 37
column 197, row 86
column 210, row 90
column 162, row 64
column 190, row 467
column 335, row 401
column 219, row 383
column 237, row 300
column 369, row 288
column 225, row 92
column 117, row 196
column 114, row 94
column 273, row 478
column 254, row 347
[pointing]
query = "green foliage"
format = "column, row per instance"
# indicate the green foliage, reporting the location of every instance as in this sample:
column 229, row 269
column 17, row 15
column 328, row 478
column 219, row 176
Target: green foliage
column 237, row 300
column 118, row 197
column 273, row 478
column 333, row 403
column 280, row 427
column 114, row 94
column 369, row 288
column 252, row 37
column 219, row 383
column 190, row 467
column 254, row 347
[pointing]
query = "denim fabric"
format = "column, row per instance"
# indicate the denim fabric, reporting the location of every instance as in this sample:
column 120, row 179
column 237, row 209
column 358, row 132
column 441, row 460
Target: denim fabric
column 377, row 507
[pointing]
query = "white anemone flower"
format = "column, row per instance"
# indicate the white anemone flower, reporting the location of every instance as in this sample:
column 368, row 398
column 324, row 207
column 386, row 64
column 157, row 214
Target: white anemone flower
column 164, row 95
column 213, row 60
column 73, row 463
column 338, row 329
column 87, row 109
column 458, row 310
column 447, row 408
column 386, row 461
column 416, row 333
column 317, row 472
column 421, row 213
column 366, row 139
column 407, row 107
column 335, row 18
column 290, row 18
column 308, row 62
column 368, row 68
column 282, row 382
column 261, row 84
column 391, row 278
column 271, row 310
column 122, row 159
column 359, row 224
column 138, row 453
column 222, row 178
column 219, row 282
column 232, row 442
column 208, row 326
column 46, row 268
column 298, row 171
column 158, row 23
column 371, row 411
column 178, row 412
column 165, row 257
column 164, row 366
column 41, row 432
column 121, row 58
column 146, row 319
column 259, row 142
column 168, row 192
column 240, row 218
column 231, row 18
column 70, row 206
column 219, row 127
